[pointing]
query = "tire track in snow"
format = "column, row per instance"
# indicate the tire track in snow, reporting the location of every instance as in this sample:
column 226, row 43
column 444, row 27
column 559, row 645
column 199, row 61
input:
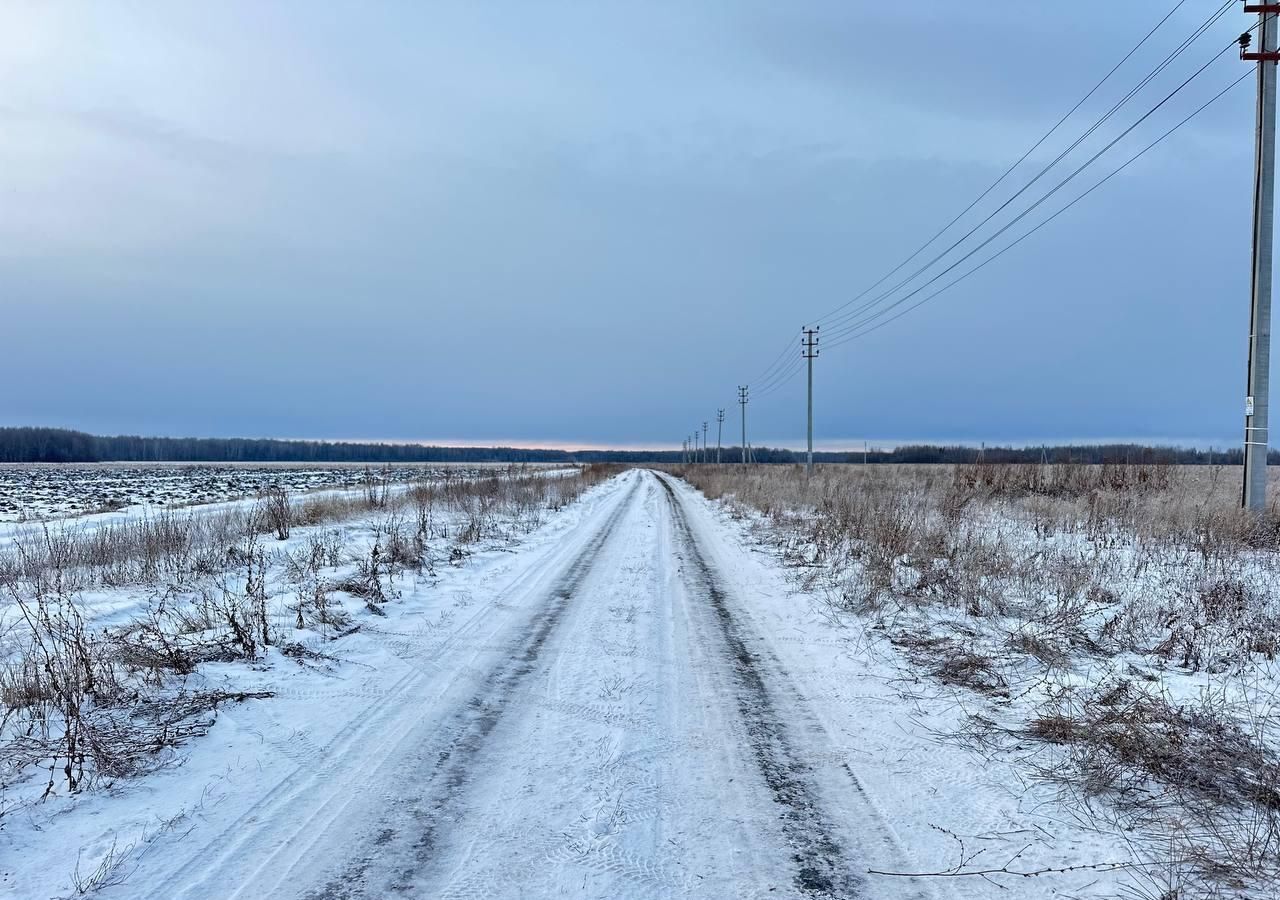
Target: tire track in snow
column 472, row 725
column 597, row 713
column 555, row 807
column 286, row 813
column 550, row 850
column 822, row 866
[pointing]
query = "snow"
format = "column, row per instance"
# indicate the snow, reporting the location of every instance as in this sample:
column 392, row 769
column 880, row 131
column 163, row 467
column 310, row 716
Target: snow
column 882, row 725
column 633, row 703
column 37, row 492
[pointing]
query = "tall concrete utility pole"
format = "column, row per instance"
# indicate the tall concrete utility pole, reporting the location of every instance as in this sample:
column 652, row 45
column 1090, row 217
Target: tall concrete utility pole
column 719, row 432
column 704, row 441
column 810, row 352
column 1257, row 394
column 684, row 451
column 742, row 403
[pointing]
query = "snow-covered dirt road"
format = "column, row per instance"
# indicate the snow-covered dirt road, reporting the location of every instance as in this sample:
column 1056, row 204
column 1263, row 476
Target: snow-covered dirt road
column 633, row 704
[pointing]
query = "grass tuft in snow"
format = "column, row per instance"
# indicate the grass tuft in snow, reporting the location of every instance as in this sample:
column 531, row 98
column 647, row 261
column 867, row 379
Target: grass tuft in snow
column 1119, row 624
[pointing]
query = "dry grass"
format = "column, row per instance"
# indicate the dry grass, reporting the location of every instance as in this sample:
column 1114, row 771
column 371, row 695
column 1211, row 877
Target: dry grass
column 91, row 705
column 186, row 545
column 1206, row 773
column 1072, row 598
column 1077, row 558
column 72, row 706
column 1123, row 736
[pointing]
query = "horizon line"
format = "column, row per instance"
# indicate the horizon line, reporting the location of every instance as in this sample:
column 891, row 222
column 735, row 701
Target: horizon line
column 830, row 445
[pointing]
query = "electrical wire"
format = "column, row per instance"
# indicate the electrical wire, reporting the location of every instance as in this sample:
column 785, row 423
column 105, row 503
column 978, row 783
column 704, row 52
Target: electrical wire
column 846, row 328
column 792, row 374
column 785, row 372
column 1032, row 149
column 845, row 317
column 773, row 368
column 862, row 333
column 852, row 325
column 767, row 373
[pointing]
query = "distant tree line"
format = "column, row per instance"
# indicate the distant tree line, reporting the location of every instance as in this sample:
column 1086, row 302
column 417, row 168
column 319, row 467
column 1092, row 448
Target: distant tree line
column 56, row 445
column 1088, row 454
column 60, row 445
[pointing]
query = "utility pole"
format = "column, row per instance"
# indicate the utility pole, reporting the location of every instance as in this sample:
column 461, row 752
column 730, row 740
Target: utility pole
column 742, row 403
column 719, row 432
column 704, row 441
column 810, row 351
column 1257, row 394
column 684, row 451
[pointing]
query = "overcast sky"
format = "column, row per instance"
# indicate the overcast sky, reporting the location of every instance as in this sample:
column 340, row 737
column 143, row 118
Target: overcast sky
column 585, row 224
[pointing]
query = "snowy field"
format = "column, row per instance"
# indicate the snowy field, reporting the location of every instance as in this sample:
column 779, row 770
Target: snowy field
column 37, row 492
column 606, row 685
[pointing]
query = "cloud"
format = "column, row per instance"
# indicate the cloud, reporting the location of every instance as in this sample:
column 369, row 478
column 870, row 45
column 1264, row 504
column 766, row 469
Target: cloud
column 561, row 221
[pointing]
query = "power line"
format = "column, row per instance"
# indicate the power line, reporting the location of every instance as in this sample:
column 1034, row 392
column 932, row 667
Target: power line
column 780, row 385
column 783, row 369
column 854, row 336
column 854, row 325
column 784, row 355
column 780, row 376
column 792, row 370
column 1013, row 167
column 839, row 321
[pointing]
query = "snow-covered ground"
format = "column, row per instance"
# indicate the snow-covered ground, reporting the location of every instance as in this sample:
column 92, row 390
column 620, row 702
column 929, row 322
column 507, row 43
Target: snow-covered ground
column 631, row 702
column 33, row 492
